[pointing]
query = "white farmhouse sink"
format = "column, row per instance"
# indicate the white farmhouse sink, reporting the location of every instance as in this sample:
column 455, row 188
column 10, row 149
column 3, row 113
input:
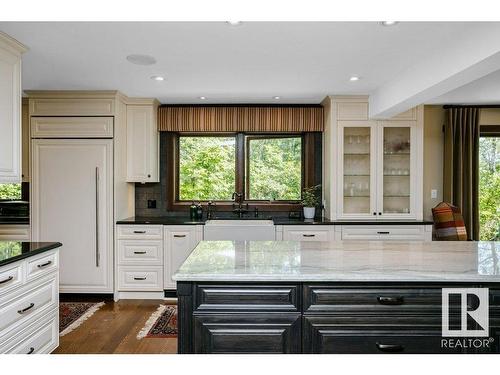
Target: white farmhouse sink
column 239, row 230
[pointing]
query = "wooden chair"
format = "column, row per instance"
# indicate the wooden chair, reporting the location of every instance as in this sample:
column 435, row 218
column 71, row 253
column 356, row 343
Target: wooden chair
column 448, row 223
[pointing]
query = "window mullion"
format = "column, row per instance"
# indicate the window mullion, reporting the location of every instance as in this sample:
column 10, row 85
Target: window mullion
column 240, row 163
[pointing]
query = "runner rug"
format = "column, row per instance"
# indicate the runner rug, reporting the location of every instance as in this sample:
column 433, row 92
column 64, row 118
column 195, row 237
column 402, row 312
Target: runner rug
column 161, row 324
column 73, row 314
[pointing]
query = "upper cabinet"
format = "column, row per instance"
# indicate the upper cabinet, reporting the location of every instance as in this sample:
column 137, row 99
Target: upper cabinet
column 10, row 109
column 142, row 142
column 376, row 166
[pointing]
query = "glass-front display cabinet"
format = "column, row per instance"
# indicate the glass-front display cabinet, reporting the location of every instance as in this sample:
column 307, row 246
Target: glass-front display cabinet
column 377, row 170
column 358, row 178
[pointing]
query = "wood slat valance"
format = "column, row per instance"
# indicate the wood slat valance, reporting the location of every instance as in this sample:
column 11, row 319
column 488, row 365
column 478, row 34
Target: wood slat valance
column 240, row 119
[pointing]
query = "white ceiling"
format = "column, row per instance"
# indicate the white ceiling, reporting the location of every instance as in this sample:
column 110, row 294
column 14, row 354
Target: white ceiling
column 299, row 61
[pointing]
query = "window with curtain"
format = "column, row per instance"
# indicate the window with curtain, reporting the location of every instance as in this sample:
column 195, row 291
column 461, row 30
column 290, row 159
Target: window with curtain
column 489, row 186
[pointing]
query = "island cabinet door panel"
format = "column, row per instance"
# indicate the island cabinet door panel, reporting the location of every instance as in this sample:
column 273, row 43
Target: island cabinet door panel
column 247, row 333
column 325, row 335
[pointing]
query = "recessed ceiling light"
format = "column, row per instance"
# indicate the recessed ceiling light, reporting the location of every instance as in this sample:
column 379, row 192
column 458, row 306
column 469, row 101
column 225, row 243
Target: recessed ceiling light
column 203, row 97
column 157, row 78
column 389, row 23
column 277, row 97
column 233, row 23
column 354, row 79
column 141, row 59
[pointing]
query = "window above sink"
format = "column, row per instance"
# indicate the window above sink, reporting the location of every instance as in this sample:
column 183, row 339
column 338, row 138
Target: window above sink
column 269, row 170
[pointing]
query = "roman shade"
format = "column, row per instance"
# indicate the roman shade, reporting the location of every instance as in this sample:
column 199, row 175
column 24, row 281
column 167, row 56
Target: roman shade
column 261, row 119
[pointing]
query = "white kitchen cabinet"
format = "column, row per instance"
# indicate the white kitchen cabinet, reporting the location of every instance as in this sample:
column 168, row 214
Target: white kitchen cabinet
column 34, row 288
column 139, row 261
column 373, row 169
column 142, row 143
column 179, row 241
column 10, row 109
column 72, row 202
column 380, row 170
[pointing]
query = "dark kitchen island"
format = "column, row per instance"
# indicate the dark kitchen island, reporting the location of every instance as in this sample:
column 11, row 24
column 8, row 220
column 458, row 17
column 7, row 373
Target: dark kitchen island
column 335, row 297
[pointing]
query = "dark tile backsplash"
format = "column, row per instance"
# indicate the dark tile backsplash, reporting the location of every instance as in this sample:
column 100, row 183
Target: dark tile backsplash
column 158, row 191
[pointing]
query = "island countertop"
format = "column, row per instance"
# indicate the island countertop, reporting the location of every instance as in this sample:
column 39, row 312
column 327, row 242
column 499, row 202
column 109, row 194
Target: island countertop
column 12, row 251
column 354, row 261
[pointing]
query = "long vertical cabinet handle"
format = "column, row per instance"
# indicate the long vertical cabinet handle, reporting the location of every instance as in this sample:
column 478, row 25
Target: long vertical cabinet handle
column 97, row 255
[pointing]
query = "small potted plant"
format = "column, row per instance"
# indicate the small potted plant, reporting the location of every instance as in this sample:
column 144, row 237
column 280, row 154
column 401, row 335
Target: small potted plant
column 309, row 201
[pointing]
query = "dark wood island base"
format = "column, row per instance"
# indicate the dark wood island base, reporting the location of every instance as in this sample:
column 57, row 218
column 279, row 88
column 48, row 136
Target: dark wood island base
column 330, row 317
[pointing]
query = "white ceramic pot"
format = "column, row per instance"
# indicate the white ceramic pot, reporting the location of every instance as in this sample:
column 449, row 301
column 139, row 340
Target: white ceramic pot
column 309, row 212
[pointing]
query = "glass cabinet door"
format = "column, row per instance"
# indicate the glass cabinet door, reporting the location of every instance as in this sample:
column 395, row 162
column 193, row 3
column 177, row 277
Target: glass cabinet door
column 396, row 171
column 357, row 171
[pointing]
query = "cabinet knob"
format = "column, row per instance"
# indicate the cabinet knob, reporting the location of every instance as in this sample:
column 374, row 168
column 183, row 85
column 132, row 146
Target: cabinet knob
column 374, row 213
column 149, row 176
column 380, row 213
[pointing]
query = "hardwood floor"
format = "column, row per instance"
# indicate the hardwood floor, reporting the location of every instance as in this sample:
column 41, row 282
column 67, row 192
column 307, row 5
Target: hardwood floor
column 113, row 329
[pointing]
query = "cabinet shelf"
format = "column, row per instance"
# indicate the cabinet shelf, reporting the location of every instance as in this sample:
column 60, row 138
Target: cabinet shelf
column 396, row 196
column 356, row 196
column 396, row 153
column 357, row 154
column 397, row 175
column 356, row 175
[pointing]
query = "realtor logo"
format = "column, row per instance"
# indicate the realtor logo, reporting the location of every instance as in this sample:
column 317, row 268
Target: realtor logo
column 465, row 312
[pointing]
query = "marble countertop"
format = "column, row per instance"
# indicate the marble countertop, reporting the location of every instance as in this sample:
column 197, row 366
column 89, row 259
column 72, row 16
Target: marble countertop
column 343, row 261
column 12, row 251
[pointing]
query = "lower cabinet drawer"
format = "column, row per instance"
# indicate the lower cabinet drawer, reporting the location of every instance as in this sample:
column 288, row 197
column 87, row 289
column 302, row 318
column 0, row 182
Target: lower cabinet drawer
column 25, row 306
column 384, row 232
column 374, row 300
column 246, row 298
column 297, row 233
column 144, row 279
column 135, row 252
column 140, row 232
column 320, row 336
column 42, row 265
column 247, row 333
column 11, row 277
column 42, row 338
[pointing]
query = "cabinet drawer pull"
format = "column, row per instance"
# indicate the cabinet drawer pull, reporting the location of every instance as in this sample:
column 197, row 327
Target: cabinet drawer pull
column 383, row 232
column 10, row 278
column 139, row 231
column 44, row 264
column 139, row 278
column 26, row 308
column 32, row 349
column 140, row 252
column 391, row 300
column 179, row 235
column 308, row 235
column 390, row 348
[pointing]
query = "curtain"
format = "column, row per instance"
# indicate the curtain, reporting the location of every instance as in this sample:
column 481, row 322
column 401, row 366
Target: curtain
column 240, row 119
column 461, row 165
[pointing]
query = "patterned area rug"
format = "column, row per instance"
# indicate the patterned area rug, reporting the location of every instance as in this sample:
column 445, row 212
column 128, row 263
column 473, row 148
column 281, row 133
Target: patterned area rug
column 162, row 323
column 73, row 314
